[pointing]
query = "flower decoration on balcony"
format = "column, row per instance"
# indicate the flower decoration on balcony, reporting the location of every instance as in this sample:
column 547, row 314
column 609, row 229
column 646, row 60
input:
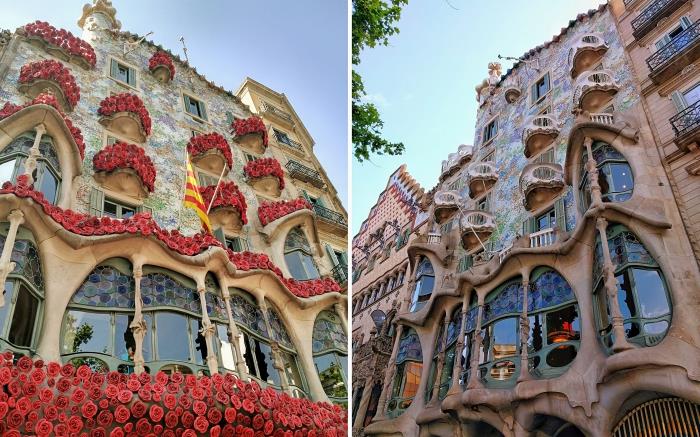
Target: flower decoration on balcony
column 162, row 59
column 54, row 71
column 143, row 224
column 123, row 155
column 126, row 102
column 63, row 40
column 47, row 398
column 265, row 167
column 207, row 143
column 268, row 212
column 251, row 125
column 50, row 100
column 228, row 195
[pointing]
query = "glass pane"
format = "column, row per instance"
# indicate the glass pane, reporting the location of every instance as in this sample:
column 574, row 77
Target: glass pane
column 692, row 95
column 310, row 267
column 49, row 186
column 263, row 356
column 109, row 209
column 651, row 293
column 561, row 356
column 124, row 342
column 127, row 212
column 228, row 360
column 23, row 318
column 87, row 332
column 563, row 325
column 330, row 374
column 200, row 343
column 621, row 177
column 502, row 370
column 295, row 265
column 148, row 338
column 535, row 340
column 412, row 379
column 656, row 328
column 247, row 352
column 172, row 337
column 292, row 370
column 504, row 338
column 6, row 170
column 625, row 297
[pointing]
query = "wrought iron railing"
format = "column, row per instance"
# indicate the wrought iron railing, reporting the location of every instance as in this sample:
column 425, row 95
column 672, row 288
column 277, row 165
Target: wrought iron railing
column 340, row 273
column 266, row 107
column 677, row 45
column 687, row 120
column 284, row 139
column 304, row 173
column 646, row 20
column 330, row 216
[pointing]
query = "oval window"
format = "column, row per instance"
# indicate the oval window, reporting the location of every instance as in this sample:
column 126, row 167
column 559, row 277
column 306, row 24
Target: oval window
column 561, row 356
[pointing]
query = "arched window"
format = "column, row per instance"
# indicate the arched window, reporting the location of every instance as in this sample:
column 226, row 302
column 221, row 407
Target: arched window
column 288, row 352
column 641, row 290
column 449, row 349
column 502, row 308
column 47, row 176
column 555, row 328
column 469, row 328
column 298, row 255
column 331, row 355
column 24, row 296
column 614, row 175
column 425, row 281
column 409, row 365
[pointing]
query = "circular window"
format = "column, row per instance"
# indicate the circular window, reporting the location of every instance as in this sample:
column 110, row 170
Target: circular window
column 561, row 356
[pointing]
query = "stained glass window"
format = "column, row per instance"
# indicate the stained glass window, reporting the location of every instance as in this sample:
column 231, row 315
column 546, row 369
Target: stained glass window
column 246, row 313
column 297, row 254
column 548, row 290
column 106, row 287
column 470, row 322
column 47, row 173
column 328, row 333
column 409, row 347
column 453, row 327
column 506, row 299
column 279, row 332
column 425, row 282
column 159, row 289
column 27, row 262
column 614, row 174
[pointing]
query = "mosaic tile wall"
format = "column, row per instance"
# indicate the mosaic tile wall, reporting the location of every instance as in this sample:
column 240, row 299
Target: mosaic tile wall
column 507, row 199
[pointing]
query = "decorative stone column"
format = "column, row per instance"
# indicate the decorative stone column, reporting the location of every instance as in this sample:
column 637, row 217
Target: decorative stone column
column 524, row 332
column 460, row 348
column 16, row 218
column 592, row 169
column 358, row 422
column 474, row 381
column 441, row 359
column 234, row 336
column 385, row 396
column 138, row 324
column 620, row 344
column 277, row 361
column 34, row 153
column 338, row 307
column 208, row 330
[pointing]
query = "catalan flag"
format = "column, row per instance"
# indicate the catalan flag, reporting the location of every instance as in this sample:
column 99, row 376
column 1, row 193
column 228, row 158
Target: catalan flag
column 193, row 198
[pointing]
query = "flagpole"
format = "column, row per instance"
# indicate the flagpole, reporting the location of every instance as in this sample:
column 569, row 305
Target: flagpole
column 184, row 190
column 221, row 176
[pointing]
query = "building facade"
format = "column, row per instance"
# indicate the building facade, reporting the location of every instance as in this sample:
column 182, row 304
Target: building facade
column 102, row 264
column 558, row 291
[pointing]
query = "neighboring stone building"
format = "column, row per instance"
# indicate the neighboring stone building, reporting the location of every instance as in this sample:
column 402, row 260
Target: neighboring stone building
column 103, row 265
column 379, row 273
column 571, row 307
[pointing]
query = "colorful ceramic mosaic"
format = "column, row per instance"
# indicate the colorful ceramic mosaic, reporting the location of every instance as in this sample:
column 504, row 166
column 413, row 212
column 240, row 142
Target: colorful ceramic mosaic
column 249, row 315
column 409, row 348
column 279, row 332
column 505, row 300
column 106, row 287
column 27, row 262
column 328, row 333
column 158, row 289
column 470, row 322
column 548, row 290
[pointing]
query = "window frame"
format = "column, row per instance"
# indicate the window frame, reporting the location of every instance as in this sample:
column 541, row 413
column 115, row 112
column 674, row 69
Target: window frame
column 184, row 97
column 132, row 69
column 536, row 98
column 492, row 122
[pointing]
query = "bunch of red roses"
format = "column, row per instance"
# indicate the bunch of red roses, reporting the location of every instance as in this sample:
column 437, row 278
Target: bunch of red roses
column 228, row 195
column 268, row 212
column 124, row 155
column 55, row 72
column 126, row 102
column 203, row 143
column 161, row 58
column 62, row 39
column 47, row 99
column 265, row 167
column 251, row 261
column 312, row 287
column 250, row 125
column 49, row 398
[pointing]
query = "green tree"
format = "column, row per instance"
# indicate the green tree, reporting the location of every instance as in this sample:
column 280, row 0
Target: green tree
column 373, row 22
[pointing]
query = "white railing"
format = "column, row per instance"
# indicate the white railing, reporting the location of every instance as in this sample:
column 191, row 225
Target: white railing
column 545, row 237
column 504, row 253
column 540, row 123
column 595, row 79
column 541, row 173
column 434, row 238
column 482, row 169
column 478, row 220
column 602, row 118
column 447, row 198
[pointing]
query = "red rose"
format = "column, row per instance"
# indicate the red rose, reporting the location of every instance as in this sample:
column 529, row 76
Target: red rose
column 78, row 396
column 88, row 409
column 199, row 408
column 214, row 415
column 105, row 418
column 171, row 419
column 121, row 414
column 67, row 370
column 75, row 424
column 117, row 432
column 124, row 396
column 138, row 409
column 187, row 419
column 43, row 427
column 169, row 400
column 143, row 426
column 155, row 413
column 201, row 424
column 248, row 406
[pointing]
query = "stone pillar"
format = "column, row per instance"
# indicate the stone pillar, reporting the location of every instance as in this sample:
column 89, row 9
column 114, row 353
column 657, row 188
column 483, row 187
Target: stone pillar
column 385, row 396
column 16, row 218
column 234, row 336
column 138, row 324
column 208, row 330
column 457, row 369
column 524, row 332
column 277, row 361
column 34, row 153
column 620, row 344
column 441, row 359
column 474, row 381
column 364, row 403
column 338, row 307
column 592, row 169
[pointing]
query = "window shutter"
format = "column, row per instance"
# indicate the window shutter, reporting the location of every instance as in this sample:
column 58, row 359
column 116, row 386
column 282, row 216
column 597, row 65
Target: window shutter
column 686, row 23
column 305, row 195
column 187, row 103
column 144, row 208
column 219, row 235
column 546, row 82
column 529, row 225
column 678, row 100
column 560, row 213
column 662, row 42
column 97, row 198
column 132, row 77
column 229, row 118
column 344, row 258
column 114, row 69
column 533, row 92
column 203, row 110
column 319, row 201
column 331, row 255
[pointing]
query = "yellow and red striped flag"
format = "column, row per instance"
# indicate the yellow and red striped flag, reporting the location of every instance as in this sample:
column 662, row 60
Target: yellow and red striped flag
column 193, row 198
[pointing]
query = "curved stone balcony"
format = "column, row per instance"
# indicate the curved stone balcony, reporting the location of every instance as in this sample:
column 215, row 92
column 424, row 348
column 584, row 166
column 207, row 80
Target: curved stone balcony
column 481, row 176
column 539, row 133
column 476, row 225
column 594, row 89
column 446, row 203
column 540, row 183
column 455, row 161
column 512, row 94
column 587, row 52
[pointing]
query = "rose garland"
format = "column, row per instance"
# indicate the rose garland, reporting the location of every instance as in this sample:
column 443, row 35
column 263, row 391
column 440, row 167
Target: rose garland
column 161, row 58
column 123, row 155
column 250, row 125
column 55, row 72
column 126, row 102
column 228, row 194
column 143, row 224
column 47, row 99
column 63, row 39
column 49, row 398
column 265, row 167
column 202, row 143
column 268, row 212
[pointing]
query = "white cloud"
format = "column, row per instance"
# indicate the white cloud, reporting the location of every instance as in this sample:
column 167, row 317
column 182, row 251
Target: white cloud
column 377, row 98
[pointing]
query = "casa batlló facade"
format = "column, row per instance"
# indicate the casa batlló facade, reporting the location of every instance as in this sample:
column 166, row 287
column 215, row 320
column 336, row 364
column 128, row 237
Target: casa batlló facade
column 556, row 291
column 107, row 274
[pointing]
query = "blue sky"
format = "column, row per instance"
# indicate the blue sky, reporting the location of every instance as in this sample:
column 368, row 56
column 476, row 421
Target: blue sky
column 423, row 82
column 296, row 47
